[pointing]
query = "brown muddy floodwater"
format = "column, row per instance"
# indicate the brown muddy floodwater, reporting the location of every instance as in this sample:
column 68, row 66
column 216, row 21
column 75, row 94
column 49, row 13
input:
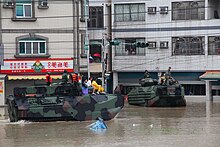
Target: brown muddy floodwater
column 196, row 125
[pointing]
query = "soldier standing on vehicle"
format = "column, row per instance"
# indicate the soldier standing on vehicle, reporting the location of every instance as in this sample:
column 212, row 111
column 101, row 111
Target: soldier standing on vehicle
column 169, row 72
column 147, row 74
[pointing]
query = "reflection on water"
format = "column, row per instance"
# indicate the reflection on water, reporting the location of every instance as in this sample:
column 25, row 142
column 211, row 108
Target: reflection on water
column 198, row 123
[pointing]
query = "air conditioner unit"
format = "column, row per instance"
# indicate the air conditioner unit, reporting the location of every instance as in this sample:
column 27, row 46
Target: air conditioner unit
column 152, row 45
column 151, row 10
column 8, row 3
column 163, row 10
column 164, row 45
column 44, row 4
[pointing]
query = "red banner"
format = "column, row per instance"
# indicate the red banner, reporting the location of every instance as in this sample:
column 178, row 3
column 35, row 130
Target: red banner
column 35, row 66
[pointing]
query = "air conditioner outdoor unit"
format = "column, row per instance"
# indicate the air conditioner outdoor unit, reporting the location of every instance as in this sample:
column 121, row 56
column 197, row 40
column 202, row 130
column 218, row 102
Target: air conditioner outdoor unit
column 152, row 10
column 152, row 45
column 163, row 44
column 163, row 10
column 44, row 3
column 9, row 3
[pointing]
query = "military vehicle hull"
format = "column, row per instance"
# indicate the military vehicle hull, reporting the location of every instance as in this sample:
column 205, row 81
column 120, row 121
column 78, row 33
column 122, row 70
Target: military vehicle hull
column 61, row 102
column 158, row 96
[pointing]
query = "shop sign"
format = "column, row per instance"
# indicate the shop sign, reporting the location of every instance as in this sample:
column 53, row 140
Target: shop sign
column 14, row 66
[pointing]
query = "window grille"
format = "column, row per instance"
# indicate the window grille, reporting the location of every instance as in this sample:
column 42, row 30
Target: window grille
column 188, row 46
column 214, row 45
column 129, row 12
column 189, row 10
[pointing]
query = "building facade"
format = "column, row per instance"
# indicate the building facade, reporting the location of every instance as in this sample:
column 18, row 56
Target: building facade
column 37, row 37
column 181, row 34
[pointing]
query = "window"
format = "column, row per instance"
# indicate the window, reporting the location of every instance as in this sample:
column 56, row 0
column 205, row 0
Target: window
column 95, row 17
column 189, row 10
column 95, row 47
column 129, row 12
column 24, row 10
column 214, row 45
column 188, row 46
column 32, row 46
column 127, row 47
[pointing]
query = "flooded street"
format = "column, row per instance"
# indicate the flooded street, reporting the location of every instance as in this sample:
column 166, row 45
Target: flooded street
column 196, row 125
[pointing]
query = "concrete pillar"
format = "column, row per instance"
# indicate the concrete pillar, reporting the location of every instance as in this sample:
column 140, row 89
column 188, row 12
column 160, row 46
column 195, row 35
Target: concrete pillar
column 209, row 96
column 115, row 79
column 207, row 16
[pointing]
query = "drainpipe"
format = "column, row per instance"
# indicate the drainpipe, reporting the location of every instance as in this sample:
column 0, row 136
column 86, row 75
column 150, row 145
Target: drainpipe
column 0, row 23
column 74, row 34
column 77, row 43
column 1, row 33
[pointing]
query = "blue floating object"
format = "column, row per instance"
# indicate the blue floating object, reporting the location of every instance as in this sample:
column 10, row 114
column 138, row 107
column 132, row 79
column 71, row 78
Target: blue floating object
column 99, row 124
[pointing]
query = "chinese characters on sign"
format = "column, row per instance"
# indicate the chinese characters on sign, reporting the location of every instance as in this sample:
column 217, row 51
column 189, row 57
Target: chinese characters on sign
column 57, row 65
column 36, row 66
column 18, row 65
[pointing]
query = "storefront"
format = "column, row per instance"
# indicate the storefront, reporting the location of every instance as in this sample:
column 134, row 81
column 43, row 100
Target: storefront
column 29, row 72
column 212, row 80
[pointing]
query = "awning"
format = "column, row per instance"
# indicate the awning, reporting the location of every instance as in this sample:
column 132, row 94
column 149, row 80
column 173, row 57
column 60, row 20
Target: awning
column 32, row 77
column 210, row 75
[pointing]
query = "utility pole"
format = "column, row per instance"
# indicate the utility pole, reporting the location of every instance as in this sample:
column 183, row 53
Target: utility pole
column 109, row 14
column 86, row 45
column 104, row 58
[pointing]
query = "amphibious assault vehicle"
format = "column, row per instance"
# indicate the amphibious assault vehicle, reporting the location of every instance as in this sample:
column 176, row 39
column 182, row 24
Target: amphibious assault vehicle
column 61, row 102
column 153, row 94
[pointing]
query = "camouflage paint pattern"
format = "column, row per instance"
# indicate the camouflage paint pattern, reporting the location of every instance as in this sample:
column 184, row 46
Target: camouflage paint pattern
column 61, row 102
column 156, row 95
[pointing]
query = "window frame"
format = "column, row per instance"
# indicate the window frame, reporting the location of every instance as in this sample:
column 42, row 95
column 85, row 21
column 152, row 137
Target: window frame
column 186, row 10
column 98, row 19
column 32, row 47
column 127, row 47
column 214, row 45
column 23, row 18
column 129, row 14
column 184, row 46
column 32, row 39
column 24, row 10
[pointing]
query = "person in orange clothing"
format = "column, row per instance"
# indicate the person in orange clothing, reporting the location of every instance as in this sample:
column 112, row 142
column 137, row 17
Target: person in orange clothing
column 75, row 78
column 97, row 87
column 48, row 79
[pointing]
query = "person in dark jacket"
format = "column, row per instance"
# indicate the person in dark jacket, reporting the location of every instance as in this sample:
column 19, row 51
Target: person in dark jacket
column 65, row 76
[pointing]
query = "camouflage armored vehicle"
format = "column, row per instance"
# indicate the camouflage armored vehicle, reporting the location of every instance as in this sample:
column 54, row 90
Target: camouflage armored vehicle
column 61, row 102
column 153, row 94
